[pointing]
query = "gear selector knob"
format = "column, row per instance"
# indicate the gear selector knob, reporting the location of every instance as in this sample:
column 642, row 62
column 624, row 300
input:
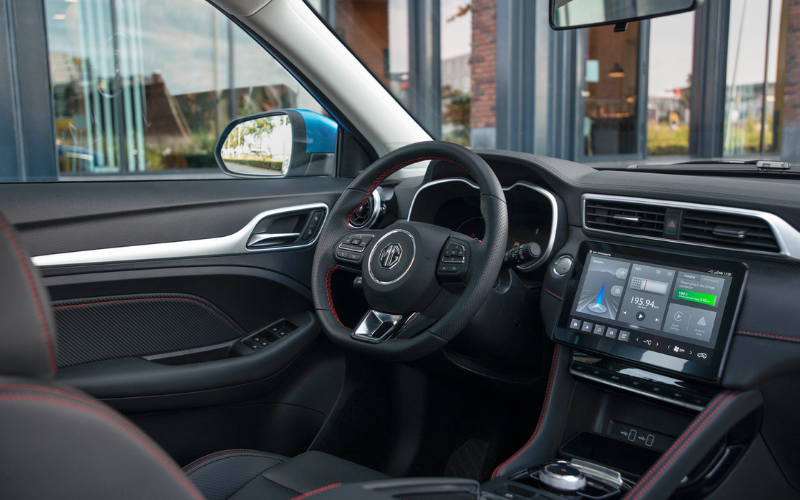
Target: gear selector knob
column 562, row 476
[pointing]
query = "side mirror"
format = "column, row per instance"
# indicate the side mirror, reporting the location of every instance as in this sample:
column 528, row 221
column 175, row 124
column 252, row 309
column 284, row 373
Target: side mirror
column 574, row 14
column 284, row 142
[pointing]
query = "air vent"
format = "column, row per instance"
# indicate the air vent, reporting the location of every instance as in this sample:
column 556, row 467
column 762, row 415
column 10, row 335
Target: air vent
column 738, row 232
column 367, row 213
column 626, row 218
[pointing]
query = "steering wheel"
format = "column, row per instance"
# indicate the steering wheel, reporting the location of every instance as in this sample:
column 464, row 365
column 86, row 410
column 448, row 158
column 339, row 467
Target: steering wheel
column 423, row 282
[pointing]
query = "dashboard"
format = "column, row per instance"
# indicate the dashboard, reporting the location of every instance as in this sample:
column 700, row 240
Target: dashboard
column 679, row 224
column 664, row 290
column 455, row 204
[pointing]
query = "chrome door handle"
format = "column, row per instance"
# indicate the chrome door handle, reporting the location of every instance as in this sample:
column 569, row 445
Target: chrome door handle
column 269, row 239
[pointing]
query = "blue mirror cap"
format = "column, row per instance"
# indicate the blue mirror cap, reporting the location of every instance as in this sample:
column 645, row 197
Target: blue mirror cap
column 321, row 132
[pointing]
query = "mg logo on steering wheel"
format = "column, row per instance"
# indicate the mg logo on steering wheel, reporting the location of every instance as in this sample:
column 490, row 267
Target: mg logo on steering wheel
column 390, row 255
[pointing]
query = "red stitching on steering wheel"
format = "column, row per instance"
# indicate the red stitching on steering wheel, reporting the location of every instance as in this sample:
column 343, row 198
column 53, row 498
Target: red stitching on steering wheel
column 392, row 170
column 330, row 295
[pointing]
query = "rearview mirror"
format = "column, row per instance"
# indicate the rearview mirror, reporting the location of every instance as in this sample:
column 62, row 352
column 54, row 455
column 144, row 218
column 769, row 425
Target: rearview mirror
column 284, row 142
column 573, row 14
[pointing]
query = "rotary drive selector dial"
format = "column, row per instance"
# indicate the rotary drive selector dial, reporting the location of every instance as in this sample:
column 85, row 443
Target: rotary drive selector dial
column 562, row 476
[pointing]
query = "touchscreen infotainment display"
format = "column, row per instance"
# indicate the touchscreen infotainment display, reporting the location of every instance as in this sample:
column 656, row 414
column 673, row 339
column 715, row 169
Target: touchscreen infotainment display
column 661, row 309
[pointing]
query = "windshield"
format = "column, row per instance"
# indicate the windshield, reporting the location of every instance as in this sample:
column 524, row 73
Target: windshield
column 493, row 74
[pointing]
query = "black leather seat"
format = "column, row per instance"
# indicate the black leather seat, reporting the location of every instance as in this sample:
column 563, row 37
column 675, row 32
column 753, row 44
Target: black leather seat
column 57, row 442
column 251, row 475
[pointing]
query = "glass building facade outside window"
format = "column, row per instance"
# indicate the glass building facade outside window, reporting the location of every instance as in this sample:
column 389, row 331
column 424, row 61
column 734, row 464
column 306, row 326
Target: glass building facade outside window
column 620, row 97
column 146, row 85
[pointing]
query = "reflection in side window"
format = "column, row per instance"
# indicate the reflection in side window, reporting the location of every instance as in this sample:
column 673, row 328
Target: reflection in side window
column 147, row 85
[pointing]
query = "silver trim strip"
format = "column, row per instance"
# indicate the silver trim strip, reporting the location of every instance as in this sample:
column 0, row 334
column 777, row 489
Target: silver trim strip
column 637, row 391
column 547, row 194
column 786, row 236
column 232, row 244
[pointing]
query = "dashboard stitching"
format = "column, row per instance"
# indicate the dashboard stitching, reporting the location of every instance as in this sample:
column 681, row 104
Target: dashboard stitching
column 699, row 424
column 394, row 169
column 536, row 159
column 769, row 335
column 330, row 295
column 553, row 294
column 554, row 364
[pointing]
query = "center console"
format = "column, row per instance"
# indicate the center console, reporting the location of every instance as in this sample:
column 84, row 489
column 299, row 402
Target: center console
column 643, row 340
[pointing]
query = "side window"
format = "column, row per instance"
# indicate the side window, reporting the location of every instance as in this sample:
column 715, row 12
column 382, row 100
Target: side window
column 148, row 86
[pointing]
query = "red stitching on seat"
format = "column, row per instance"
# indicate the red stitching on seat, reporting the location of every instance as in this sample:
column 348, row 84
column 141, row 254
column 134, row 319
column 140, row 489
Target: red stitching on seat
column 56, row 392
column 769, row 335
column 123, row 426
column 32, row 285
column 553, row 294
column 546, row 403
column 154, row 298
column 233, row 449
column 318, row 490
column 330, row 295
column 394, row 169
column 699, row 424
column 245, row 454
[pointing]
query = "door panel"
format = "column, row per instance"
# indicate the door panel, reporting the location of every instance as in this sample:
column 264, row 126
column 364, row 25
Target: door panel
column 64, row 217
column 167, row 334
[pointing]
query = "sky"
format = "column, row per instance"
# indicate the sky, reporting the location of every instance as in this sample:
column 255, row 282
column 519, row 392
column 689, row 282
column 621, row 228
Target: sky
column 670, row 52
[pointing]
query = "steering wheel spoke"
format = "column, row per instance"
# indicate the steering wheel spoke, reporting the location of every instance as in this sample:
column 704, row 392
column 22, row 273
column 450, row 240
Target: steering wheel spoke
column 376, row 327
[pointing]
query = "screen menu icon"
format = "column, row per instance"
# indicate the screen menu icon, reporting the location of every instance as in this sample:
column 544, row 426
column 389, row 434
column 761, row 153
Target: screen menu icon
column 602, row 287
column 646, row 298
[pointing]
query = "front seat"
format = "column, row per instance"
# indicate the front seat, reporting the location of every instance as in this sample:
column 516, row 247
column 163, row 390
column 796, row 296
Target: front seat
column 57, row 442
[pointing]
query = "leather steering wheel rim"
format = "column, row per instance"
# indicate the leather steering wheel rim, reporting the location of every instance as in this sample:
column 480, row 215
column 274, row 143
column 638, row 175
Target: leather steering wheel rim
column 485, row 262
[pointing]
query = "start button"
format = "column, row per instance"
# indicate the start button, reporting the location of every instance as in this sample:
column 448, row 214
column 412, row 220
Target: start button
column 563, row 265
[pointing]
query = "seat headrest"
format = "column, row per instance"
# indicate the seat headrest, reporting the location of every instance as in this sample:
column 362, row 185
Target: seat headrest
column 27, row 336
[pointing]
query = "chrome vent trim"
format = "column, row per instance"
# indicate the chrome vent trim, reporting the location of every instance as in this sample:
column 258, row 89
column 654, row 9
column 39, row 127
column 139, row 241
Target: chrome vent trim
column 633, row 219
column 786, row 236
column 374, row 204
column 728, row 231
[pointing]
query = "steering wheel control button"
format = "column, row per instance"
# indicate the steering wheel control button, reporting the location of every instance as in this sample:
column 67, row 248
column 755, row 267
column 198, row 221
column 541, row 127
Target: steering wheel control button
column 351, row 248
column 453, row 262
column 562, row 265
column 562, row 477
